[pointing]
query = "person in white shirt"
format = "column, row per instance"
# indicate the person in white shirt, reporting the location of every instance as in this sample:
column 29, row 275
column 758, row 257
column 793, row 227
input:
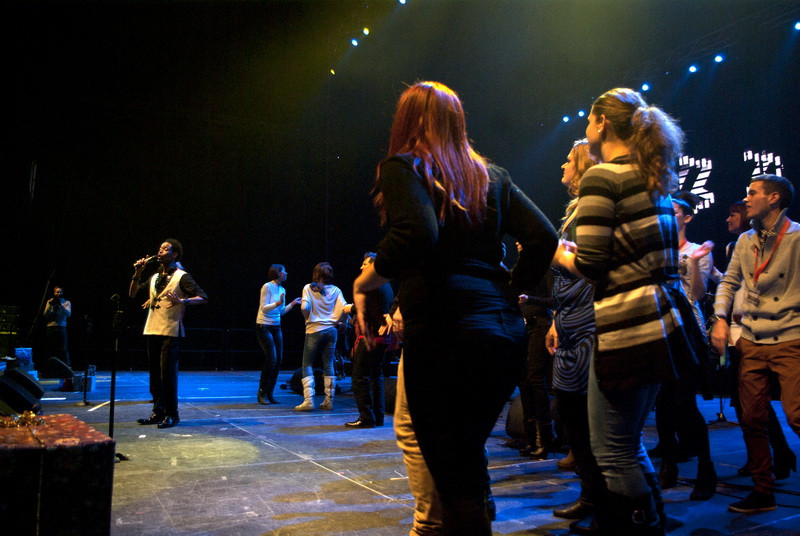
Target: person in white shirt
column 272, row 306
column 322, row 305
column 170, row 290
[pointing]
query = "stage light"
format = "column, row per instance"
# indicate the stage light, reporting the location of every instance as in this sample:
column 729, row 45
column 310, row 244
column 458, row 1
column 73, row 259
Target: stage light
column 333, row 72
column 693, row 69
column 718, row 58
column 645, row 87
column 565, row 119
column 797, row 25
column 366, row 31
column 402, row 2
column 354, row 42
column 581, row 113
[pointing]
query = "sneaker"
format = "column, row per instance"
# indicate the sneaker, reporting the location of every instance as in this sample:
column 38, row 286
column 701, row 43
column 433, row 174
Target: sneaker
column 754, row 503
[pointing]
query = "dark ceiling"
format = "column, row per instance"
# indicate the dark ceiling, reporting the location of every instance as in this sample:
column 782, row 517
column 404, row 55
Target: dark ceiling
column 220, row 123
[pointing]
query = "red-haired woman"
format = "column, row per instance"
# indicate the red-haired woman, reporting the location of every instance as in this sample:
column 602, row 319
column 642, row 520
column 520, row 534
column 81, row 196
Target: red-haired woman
column 446, row 211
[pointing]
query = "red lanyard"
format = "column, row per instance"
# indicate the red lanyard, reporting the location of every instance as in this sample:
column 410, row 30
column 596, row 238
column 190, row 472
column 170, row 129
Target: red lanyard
column 758, row 269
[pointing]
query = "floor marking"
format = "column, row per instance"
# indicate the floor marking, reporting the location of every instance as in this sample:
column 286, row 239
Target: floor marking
column 100, row 405
column 340, row 475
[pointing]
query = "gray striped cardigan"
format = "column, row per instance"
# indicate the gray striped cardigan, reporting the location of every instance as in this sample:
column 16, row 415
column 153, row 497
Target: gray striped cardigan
column 628, row 244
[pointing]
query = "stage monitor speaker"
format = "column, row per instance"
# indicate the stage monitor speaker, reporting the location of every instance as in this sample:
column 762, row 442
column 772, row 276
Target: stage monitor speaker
column 55, row 368
column 19, row 392
column 27, row 381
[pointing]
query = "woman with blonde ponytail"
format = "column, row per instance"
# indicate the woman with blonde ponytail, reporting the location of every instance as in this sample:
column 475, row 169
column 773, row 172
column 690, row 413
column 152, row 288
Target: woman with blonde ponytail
column 626, row 241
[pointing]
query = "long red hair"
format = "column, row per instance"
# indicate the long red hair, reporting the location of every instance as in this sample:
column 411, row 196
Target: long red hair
column 429, row 125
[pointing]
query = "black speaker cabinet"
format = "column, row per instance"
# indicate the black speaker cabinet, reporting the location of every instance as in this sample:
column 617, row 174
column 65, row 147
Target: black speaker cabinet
column 55, row 368
column 19, row 392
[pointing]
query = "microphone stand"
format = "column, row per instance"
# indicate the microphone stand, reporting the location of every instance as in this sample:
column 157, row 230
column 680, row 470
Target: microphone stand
column 86, row 356
column 117, row 327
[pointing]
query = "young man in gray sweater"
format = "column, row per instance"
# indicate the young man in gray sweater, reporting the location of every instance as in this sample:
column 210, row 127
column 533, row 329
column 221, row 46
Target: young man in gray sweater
column 764, row 262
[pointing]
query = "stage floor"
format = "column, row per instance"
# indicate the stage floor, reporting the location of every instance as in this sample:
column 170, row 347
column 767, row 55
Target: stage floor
column 233, row 467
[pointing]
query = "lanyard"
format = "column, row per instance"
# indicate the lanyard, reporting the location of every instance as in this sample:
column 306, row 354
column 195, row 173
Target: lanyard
column 758, row 269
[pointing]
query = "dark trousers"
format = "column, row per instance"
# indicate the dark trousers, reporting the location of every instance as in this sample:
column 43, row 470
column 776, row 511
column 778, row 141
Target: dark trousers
column 456, row 386
column 573, row 408
column 534, row 389
column 57, row 343
column 271, row 340
column 754, row 395
column 368, row 382
column 162, row 355
column 677, row 416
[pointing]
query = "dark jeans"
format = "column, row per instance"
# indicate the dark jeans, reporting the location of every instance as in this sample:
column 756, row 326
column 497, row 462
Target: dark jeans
column 573, row 408
column 457, row 382
column 271, row 340
column 162, row 355
column 534, row 389
column 368, row 382
column 57, row 343
column 678, row 417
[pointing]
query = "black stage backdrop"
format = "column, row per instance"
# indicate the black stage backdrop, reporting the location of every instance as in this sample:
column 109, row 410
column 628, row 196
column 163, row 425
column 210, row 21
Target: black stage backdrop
column 223, row 124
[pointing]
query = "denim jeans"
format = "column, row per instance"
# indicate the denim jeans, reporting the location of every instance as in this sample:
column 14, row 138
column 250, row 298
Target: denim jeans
column 616, row 420
column 271, row 340
column 573, row 408
column 319, row 344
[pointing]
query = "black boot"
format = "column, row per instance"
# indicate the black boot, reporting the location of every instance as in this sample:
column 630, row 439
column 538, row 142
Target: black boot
column 668, row 473
column 545, row 440
column 706, row 484
column 578, row 510
column 634, row 516
column 783, row 462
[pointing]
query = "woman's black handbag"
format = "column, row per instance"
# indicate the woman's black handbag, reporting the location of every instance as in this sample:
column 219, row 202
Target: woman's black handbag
column 691, row 352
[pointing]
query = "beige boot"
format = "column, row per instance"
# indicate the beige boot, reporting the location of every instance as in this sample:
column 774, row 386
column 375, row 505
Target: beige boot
column 330, row 391
column 308, row 394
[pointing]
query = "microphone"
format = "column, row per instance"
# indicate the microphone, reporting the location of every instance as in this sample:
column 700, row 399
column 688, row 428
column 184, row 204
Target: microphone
column 146, row 260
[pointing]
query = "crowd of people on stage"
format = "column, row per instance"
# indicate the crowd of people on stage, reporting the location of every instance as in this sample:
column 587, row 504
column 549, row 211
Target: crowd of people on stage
column 607, row 314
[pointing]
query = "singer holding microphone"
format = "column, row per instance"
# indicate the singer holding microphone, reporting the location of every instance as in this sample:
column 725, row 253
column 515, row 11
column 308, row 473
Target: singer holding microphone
column 170, row 290
column 56, row 313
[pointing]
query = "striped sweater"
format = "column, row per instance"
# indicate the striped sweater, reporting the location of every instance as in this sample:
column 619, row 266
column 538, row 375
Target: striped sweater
column 628, row 245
